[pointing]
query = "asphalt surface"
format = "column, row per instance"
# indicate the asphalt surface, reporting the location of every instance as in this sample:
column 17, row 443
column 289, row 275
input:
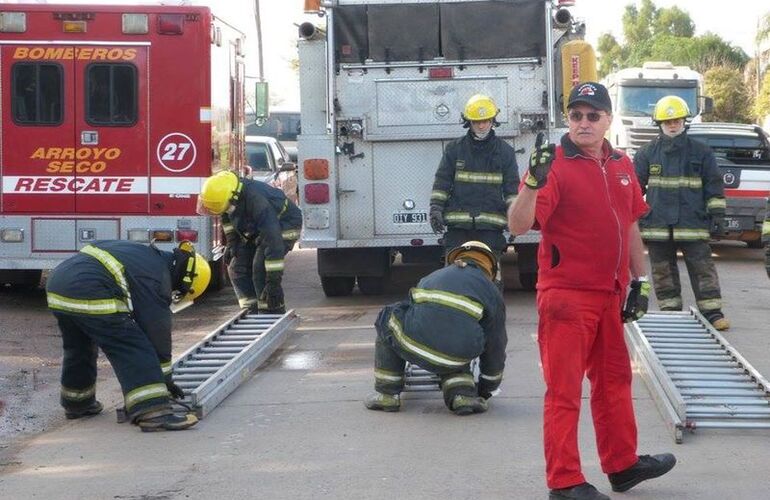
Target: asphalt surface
column 298, row 428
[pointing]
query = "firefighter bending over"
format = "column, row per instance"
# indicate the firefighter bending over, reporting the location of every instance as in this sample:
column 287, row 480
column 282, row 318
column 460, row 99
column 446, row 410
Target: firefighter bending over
column 475, row 182
column 115, row 296
column 453, row 316
column 261, row 226
column 685, row 192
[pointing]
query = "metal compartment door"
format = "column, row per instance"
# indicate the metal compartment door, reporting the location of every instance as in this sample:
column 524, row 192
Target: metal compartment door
column 36, row 128
column 111, row 126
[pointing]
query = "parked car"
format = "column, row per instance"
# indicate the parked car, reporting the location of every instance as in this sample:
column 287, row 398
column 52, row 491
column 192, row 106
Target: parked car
column 743, row 156
column 269, row 162
column 282, row 125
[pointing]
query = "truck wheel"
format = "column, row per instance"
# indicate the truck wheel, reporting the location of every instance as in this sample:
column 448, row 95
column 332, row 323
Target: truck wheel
column 528, row 281
column 337, row 286
column 371, row 285
column 21, row 279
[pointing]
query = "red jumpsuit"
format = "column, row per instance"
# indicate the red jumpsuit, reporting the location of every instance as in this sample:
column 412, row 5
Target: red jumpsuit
column 585, row 212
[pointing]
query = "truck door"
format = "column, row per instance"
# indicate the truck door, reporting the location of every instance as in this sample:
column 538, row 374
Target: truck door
column 111, row 121
column 74, row 129
column 36, row 125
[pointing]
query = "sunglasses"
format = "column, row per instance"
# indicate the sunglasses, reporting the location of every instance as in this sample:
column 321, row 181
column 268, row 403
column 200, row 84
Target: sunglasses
column 577, row 116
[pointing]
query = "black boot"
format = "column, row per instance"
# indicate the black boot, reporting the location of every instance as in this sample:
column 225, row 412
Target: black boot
column 94, row 408
column 164, row 420
column 584, row 491
column 647, row 467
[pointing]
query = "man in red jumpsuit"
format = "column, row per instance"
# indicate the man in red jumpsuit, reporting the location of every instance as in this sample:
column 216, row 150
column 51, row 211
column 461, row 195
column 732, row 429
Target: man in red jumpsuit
column 584, row 198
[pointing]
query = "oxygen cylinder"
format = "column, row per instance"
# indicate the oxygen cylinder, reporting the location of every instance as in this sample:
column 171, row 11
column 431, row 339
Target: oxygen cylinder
column 578, row 64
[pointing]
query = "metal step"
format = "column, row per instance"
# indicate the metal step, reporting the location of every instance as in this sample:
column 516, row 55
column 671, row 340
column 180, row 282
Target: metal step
column 213, row 368
column 697, row 379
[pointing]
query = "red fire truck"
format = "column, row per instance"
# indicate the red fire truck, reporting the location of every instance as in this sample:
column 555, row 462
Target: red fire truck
column 111, row 118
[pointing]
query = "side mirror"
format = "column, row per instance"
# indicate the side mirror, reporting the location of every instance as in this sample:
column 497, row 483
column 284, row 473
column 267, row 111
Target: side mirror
column 708, row 105
column 288, row 167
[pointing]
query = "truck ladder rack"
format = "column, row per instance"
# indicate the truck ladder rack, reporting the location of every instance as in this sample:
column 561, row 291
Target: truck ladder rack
column 697, row 379
column 213, row 368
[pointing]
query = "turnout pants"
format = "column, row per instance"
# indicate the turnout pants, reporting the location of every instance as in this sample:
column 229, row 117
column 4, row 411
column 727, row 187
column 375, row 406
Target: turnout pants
column 494, row 239
column 580, row 333
column 247, row 272
column 700, row 267
column 390, row 360
column 128, row 350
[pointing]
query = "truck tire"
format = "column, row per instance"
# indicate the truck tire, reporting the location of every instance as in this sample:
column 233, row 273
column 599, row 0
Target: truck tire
column 371, row 285
column 21, row 279
column 528, row 280
column 337, row 286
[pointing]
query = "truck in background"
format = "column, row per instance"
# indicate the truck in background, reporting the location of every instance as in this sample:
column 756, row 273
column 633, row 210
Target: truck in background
column 111, row 118
column 382, row 88
column 634, row 92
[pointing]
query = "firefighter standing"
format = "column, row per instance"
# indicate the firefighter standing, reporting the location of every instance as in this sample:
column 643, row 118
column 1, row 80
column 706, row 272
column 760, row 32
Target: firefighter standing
column 685, row 193
column 585, row 199
column 261, row 226
column 475, row 182
column 453, row 316
column 115, row 295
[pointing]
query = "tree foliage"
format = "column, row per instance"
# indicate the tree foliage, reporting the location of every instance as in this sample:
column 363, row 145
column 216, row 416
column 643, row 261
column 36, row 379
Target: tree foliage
column 762, row 103
column 732, row 100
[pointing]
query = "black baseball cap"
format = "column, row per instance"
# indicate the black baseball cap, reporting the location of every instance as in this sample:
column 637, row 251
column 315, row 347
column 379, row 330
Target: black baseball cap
column 592, row 93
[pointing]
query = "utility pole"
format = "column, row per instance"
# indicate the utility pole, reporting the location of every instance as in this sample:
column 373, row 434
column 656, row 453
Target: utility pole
column 259, row 40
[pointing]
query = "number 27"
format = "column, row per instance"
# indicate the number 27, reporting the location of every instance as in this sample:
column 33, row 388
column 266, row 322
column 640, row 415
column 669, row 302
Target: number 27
column 175, row 151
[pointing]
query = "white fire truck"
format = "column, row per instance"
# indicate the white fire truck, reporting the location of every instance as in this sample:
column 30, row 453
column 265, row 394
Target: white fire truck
column 111, row 118
column 382, row 87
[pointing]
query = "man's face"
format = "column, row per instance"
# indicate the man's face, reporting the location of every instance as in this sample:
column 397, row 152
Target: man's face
column 481, row 127
column 672, row 127
column 587, row 125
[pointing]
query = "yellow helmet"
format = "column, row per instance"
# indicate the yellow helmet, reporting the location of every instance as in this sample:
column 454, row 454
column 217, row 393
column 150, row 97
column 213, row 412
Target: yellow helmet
column 670, row 107
column 480, row 107
column 191, row 274
column 217, row 193
column 478, row 252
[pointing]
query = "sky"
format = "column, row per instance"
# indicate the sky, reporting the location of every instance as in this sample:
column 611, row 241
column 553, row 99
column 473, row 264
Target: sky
column 735, row 21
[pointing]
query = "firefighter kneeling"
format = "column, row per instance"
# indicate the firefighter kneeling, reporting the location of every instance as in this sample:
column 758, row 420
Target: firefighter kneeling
column 453, row 316
column 115, row 296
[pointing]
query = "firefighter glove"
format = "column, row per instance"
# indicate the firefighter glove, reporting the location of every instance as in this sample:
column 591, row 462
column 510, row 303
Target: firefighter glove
column 273, row 292
column 175, row 390
column 486, row 387
column 437, row 219
column 718, row 226
column 540, row 163
column 637, row 300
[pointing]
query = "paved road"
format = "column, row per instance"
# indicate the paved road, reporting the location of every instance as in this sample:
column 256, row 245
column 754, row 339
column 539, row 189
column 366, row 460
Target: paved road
column 298, row 429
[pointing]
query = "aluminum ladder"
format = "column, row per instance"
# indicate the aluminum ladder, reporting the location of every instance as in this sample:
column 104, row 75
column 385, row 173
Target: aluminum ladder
column 418, row 379
column 213, row 368
column 696, row 378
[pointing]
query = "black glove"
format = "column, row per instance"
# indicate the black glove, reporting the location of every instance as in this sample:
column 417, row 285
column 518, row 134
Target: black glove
column 540, row 163
column 718, row 226
column 637, row 301
column 273, row 292
column 437, row 219
column 487, row 387
column 175, row 390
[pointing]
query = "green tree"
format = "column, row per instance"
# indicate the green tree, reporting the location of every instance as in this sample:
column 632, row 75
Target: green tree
column 762, row 103
column 732, row 100
column 611, row 53
column 673, row 21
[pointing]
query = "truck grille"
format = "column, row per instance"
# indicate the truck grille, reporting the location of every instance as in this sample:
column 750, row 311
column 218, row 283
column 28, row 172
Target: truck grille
column 639, row 136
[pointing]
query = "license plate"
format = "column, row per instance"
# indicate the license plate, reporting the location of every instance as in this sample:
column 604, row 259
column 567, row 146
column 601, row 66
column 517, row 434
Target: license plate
column 732, row 223
column 410, row 217
column 739, row 223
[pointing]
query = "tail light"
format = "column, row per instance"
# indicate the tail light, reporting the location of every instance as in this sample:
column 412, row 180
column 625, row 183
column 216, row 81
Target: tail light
column 316, row 193
column 139, row 235
column 162, row 235
column 316, row 169
column 170, row 24
column 190, row 235
column 440, row 72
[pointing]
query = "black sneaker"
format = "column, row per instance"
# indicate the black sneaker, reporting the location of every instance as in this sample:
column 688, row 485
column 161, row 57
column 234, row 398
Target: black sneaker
column 647, row 467
column 585, row 491
column 94, row 408
column 167, row 422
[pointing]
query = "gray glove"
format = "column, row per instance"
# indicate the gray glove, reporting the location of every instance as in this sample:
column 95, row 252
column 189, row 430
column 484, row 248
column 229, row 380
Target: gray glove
column 437, row 219
column 540, row 163
column 718, row 227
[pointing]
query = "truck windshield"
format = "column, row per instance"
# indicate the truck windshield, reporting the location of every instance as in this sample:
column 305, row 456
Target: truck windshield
column 640, row 101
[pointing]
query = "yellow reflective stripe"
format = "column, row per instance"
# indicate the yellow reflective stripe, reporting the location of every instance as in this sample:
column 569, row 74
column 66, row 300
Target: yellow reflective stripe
column 675, row 303
column 478, row 177
column 86, row 306
column 290, row 234
column 438, row 195
column 274, row 265
column 655, row 234
column 716, row 202
column 492, row 378
column 486, row 217
column 510, row 199
column 284, row 208
column 78, row 394
column 457, row 217
column 228, row 227
column 166, row 367
column 390, row 376
column 675, row 182
column 691, row 234
column 766, row 228
column 113, row 266
column 262, row 304
column 145, row 392
column 463, row 379
column 709, row 304
column 448, row 299
column 421, row 350
column 247, row 302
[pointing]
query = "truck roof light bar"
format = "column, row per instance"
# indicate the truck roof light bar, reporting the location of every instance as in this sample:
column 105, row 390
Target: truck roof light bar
column 13, row 22
column 74, row 26
column 136, row 24
column 171, row 24
column 440, row 73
